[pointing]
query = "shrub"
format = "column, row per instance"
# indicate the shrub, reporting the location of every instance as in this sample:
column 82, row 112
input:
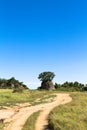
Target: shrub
column 17, row 90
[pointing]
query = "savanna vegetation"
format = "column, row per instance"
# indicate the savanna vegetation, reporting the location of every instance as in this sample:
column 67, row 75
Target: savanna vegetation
column 72, row 116
column 31, row 120
column 12, row 83
column 8, row 98
column 47, row 84
column 71, row 86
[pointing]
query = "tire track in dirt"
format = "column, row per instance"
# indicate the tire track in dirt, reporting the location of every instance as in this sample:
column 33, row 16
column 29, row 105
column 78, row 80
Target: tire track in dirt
column 17, row 121
column 42, row 120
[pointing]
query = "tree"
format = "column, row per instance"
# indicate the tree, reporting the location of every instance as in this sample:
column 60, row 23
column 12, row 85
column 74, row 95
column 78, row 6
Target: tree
column 46, row 78
column 12, row 83
column 84, row 88
column 3, row 83
column 57, row 86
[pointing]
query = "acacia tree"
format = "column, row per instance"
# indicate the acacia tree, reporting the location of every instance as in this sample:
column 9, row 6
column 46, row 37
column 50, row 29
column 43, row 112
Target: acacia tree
column 46, row 78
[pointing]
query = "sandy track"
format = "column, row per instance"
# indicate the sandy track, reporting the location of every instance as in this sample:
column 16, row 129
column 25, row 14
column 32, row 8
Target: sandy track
column 42, row 120
column 18, row 119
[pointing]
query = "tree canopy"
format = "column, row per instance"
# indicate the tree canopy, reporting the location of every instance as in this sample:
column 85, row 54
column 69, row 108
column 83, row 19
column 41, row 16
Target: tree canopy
column 46, row 76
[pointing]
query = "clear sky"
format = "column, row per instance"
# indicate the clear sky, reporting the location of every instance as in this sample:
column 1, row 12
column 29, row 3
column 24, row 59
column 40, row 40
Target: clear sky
column 43, row 35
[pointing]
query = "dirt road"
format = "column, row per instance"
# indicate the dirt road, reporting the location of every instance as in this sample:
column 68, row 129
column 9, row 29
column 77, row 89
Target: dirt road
column 42, row 120
column 17, row 117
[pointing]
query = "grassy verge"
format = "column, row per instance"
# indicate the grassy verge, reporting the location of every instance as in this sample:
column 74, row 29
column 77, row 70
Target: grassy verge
column 72, row 116
column 30, row 123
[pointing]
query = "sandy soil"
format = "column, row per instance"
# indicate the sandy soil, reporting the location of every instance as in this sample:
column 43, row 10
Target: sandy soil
column 16, row 116
column 42, row 120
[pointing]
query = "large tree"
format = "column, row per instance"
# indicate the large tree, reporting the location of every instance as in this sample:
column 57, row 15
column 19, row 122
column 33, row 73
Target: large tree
column 46, row 78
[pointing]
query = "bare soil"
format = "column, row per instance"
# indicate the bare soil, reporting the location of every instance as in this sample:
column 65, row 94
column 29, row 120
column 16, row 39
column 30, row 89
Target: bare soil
column 15, row 117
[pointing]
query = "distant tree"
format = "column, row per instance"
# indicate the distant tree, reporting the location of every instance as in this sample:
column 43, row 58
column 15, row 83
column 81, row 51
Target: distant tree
column 84, row 87
column 70, row 86
column 66, row 84
column 57, row 86
column 12, row 83
column 46, row 78
column 3, row 83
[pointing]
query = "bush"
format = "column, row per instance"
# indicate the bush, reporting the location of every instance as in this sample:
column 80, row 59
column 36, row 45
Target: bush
column 69, row 86
column 18, row 90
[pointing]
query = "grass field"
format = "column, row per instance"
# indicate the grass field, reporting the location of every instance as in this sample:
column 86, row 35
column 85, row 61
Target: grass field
column 72, row 116
column 8, row 98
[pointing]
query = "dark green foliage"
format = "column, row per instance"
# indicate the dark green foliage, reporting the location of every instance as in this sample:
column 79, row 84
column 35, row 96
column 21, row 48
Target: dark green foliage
column 57, row 86
column 46, row 78
column 3, row 83
column 84, row 88
column 11, row 83
column 69, row 86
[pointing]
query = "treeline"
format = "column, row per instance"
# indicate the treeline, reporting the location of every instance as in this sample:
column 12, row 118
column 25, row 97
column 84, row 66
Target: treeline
column 11, row 83
column 71, row 86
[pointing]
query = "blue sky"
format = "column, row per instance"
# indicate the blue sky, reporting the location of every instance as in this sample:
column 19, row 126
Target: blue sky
column 43, row 35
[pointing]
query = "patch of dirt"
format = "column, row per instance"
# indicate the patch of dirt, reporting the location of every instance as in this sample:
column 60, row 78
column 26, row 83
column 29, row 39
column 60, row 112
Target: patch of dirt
column 37, row 100
column 15, row 117
column 23, row 104
column 42, row 120
column 7, row 113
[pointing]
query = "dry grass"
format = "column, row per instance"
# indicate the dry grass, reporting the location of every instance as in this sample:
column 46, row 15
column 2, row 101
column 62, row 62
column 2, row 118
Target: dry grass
column 30, row 123
column 72, row 116
column 7, row 98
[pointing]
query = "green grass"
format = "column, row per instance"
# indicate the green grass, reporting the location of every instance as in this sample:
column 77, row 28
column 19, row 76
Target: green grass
column 30, row 123
column 72, row 116
column 45, row 99
column 8, row 98
column 2, row 126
